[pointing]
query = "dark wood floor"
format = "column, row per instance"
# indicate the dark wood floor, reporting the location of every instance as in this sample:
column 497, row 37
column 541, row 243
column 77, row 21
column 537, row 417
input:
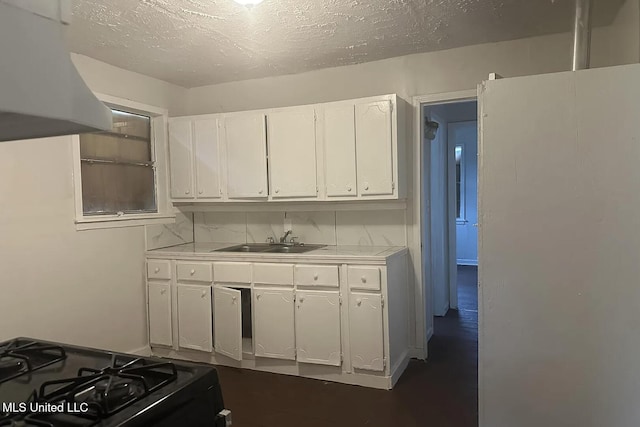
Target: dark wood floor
column 440, row 392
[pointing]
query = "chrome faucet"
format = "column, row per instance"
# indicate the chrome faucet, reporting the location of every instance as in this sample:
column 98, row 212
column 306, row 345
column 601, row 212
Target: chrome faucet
column 283, row 239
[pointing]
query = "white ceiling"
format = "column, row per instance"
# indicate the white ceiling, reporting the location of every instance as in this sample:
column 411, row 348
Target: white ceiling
column 199, row 42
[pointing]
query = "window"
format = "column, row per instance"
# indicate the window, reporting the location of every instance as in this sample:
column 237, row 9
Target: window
column 120, row 176
column 459, row 183
column 117, row 167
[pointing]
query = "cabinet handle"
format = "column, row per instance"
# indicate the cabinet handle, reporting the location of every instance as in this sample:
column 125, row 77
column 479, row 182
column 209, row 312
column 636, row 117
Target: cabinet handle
column 163, row 291
column 349, row 189
column 187, row 191
column 204, row 294
column 192, row 272
column 156, row 270
column 315, row 276
column 200, row 191
column 359, row 302
column 259, row 191
column 301, row 299
column 277, row 190
column 366, row 187
column 233, row 299
column 258, row 296
column 364, row 279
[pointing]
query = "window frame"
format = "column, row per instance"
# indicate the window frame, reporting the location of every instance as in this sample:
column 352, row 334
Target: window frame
column 166, row 212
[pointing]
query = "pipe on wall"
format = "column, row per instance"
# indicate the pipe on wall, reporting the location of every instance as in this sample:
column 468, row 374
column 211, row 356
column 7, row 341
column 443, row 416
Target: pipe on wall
column 582, row 35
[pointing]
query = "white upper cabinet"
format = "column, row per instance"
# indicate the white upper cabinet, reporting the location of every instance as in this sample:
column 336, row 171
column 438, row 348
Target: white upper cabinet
column 207, row 158
column 246, row 156
column 228, row 322
column 318, row 327
column 274, row 332
column 374, row 148
column 292, row 152
column 181, row 158
column 340, row 150
column 345, row 150
column 194, row 317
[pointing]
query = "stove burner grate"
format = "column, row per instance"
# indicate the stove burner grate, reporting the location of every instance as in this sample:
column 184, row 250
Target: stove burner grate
column 20, row 356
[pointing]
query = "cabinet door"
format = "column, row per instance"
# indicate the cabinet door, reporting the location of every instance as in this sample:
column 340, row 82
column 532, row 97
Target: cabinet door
column 274, row 332
column 180, row 159
column 366, row 331
column 374, row 148
column 292, row 153
column 194, row 317
column 318, row 327
column 245, row 142
column 228, row 321
column 207, row 158
column 160, row 313
column 340, row 151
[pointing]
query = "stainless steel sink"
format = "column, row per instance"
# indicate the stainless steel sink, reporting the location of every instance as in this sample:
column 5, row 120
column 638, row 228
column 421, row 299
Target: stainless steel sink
column 271, row 248
column 293, row 249
column 249, row 247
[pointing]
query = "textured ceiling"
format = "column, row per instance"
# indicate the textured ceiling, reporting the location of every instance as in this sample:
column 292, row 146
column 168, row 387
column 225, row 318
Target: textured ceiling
column 198, row 42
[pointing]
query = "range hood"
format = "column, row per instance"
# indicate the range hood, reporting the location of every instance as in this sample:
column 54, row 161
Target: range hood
column 41, row 92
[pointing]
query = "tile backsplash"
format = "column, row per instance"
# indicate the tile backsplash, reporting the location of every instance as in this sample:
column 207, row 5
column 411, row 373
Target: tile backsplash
column 361, row 228
column 164, row 235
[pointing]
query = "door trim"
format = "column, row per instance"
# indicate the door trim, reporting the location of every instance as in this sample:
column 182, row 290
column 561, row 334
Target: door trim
column 421, row 270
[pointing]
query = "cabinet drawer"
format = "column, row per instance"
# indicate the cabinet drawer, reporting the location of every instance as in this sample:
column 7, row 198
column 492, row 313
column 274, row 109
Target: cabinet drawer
column 232, row 272
column 317, row 275
column 363, row 278
column 159, row 269
column 195, row 271
column 273, row 274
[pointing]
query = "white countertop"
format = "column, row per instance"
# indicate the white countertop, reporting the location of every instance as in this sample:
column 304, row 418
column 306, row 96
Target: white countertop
column 327, row 253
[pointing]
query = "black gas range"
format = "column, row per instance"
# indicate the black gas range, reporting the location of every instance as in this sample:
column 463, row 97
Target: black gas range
column 44, row 384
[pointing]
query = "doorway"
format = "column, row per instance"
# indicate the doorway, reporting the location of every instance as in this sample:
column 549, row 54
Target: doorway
column 450, row 155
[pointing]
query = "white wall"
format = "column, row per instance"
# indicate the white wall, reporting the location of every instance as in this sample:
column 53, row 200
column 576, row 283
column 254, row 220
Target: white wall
column 559, row 250
column 57, row 283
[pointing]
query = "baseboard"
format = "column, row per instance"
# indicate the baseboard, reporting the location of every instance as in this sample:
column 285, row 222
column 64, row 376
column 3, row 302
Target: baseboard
column 398, row 370
column 417, row 353
column 470, row 262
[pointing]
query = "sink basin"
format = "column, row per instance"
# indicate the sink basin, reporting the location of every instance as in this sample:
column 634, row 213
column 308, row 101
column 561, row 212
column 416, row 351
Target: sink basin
column 271, row 248
column 296, row 249
column 249, row 247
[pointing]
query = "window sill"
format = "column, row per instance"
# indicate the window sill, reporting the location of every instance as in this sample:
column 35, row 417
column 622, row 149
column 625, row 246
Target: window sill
column 114, row 221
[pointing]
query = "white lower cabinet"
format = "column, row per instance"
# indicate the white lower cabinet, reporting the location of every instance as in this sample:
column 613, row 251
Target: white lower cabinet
column 318, row 327
column 274, row 332
column 159, row 294
column 228, row 321
column 366, row 332
column 194, row 317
